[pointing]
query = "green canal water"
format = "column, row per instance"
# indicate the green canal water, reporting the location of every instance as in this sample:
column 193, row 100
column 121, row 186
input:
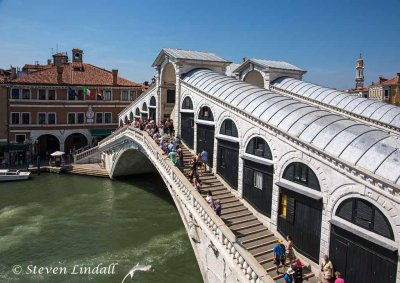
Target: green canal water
column 76, row 223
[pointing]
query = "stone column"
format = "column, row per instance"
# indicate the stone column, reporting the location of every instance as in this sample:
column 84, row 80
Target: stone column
column 177, row 107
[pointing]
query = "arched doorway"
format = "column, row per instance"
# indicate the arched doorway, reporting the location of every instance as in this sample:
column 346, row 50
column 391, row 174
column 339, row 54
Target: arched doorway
column 74, row 141
column 121, row 123
column 46, row 145
column 228, row 153
column 187, row 122
column 205, row 133
column 152, row 108
column 168, row 89
column 300, row 208
column 144, row 115
column 258, row 175
column 358, row 257
column 131, row 116
column 255, row 78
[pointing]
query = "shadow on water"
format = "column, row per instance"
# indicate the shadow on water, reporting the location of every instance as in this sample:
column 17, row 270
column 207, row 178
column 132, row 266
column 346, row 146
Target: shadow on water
column 151, row 183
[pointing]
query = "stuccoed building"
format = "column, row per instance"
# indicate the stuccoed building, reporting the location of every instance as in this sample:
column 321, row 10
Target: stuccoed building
column 64, row 104
column 312, row 162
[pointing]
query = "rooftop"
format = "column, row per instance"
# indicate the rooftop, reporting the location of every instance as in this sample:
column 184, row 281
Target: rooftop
column 269, row 64
column 359, row 144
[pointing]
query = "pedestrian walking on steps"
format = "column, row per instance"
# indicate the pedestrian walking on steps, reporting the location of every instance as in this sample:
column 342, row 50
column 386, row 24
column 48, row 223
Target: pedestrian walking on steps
column 289, row 250
column 298, row 272
column 180, row 155
column 339, row 278
column 279, row 255
column 193, row 169
column 197, row 184
column 199, row 162
column 288, row 276
column 204, row 159
column 326, row 270
column 218, row 207
column 209, row 199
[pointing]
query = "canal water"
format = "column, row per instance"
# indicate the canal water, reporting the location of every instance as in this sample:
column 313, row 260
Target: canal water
column 71, row 225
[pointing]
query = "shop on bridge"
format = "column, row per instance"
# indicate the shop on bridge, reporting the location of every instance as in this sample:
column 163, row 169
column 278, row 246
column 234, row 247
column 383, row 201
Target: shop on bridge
column 228, row 153
column 258, row 175
column 358, row 256
column 205, row 133
column 152, row 108
column 187, row 122
column 300, row 209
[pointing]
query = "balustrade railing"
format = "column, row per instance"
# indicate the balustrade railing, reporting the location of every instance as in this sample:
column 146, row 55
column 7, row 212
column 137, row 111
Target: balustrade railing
column 197, row 206
column 85, row 153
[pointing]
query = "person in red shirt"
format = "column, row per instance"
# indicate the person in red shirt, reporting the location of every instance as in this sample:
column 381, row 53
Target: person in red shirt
column 339, row 278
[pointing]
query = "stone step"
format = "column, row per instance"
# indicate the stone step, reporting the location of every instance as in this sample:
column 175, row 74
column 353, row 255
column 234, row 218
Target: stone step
column 251, row 231
column 244, row 226
column 231, row 211
column 244, row 219
column 256, row 237
column 260, row 243
column 235, row 215
column 232, row 205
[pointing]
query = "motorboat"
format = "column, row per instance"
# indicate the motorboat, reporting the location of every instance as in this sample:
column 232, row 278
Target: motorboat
column 13, row 175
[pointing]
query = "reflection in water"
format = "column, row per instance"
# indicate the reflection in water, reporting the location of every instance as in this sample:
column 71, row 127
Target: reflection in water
column 76, row 221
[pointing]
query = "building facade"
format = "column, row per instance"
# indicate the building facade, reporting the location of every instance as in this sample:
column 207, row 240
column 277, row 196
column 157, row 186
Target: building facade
column 64, row 105
column 386, row 90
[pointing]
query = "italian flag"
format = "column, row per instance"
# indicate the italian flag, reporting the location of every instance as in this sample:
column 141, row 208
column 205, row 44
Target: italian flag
column 87, row 91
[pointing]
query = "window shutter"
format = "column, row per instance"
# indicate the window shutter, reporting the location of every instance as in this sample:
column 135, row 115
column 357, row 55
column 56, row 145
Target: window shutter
column 290, row 209
column 363, row 215
column 289, row 173
column 248, row 176
column 345, row 211
column 381, row 226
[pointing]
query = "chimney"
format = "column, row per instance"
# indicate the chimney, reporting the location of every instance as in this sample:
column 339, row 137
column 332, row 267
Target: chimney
column 48, row 61
column 13, row 74
column 60, row 70
column 115, row 77
column 243, row 59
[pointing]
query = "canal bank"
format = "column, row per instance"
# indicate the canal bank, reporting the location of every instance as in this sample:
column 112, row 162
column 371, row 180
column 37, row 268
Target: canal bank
column 64, row 220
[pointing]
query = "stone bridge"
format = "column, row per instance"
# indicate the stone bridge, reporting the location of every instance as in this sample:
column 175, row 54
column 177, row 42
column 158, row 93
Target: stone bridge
column 307, row 161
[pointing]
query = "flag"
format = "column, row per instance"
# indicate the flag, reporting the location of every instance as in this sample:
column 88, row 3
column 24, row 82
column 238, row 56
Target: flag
column 71, row 92
column 87, row 91
column 99, row 93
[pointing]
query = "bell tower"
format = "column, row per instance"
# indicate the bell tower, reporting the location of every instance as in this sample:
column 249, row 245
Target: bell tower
column 360, row 73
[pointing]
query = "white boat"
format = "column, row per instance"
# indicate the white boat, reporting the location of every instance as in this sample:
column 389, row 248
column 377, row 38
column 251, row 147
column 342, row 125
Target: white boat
column 13, row 175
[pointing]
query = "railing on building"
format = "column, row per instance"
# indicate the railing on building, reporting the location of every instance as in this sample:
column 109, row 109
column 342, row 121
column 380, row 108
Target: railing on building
column 195, row 203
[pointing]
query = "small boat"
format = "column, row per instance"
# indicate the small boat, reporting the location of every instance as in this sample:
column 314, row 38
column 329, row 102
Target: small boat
column 13, row 175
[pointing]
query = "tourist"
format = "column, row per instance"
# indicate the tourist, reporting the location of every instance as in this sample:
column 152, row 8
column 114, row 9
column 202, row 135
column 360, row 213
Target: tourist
column 326, row 270
column 180, row 155
column 279, row 255
column 193, row 168
column 339, row 278
column 199, row 162
column 170, row 146
column 197, row 184
column 288, row 276
column 172, row 155
column 218, row 207
column 209, row 199
column 289, row 250
column 204, row 158
column 298, row 272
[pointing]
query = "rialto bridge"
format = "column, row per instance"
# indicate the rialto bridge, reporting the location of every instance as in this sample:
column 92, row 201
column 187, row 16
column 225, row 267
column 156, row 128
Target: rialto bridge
column 304, row 160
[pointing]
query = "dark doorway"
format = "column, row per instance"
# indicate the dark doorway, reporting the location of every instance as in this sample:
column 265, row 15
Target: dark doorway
column 47, row 144
column 359, row 260
column 152, row 113
column 187, row 129
column 205, row 139
column 76, row 141
column 257, row 185
column 143, row 116
column 228, row 162
column 300, row 217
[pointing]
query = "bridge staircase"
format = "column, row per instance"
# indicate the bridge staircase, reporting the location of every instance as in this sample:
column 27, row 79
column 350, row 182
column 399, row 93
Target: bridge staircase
column 252, row 234
column 87, row 169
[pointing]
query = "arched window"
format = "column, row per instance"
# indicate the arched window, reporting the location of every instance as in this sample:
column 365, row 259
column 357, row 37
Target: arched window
column 131, row 116
column 152, row 101
column 366, row 215
column 302, row 174
column 206, row 114
column 259, row 147
column 137, row 111
column 144, row 107
column 228, row 128
column 187, row 103
column 126, row 119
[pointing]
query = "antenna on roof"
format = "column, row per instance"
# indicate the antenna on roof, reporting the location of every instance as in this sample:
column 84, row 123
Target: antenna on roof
column 57, row 47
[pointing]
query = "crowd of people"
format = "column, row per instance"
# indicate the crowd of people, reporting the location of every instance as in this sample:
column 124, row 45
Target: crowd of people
column 164, row 135
column 294, row 274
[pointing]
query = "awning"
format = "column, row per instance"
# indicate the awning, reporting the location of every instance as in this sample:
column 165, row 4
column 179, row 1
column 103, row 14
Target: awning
column 307, row 192
column 100, row 132
column 13, row 148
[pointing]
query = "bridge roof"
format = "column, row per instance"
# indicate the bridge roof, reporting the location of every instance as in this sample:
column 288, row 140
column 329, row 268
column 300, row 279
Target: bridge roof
column 359, row 144
column 188, row 55
column 267, row 64
column 379, row 111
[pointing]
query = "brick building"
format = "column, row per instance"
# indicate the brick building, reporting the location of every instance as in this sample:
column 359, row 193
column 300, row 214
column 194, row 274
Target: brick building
column 63, row 105
column 386, row 90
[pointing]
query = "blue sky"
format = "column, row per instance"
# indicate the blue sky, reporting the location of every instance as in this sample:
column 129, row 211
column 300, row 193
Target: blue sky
column 322, row 37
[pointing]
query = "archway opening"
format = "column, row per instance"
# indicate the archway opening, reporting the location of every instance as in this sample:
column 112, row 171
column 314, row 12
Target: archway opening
column 46, row 145
column 168, row 90
column 74, row 141
column 255, row 78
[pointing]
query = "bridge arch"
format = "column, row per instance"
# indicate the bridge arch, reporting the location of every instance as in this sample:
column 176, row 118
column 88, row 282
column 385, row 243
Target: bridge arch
column 254, row 77
column 75, row 140
column 129, row 161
